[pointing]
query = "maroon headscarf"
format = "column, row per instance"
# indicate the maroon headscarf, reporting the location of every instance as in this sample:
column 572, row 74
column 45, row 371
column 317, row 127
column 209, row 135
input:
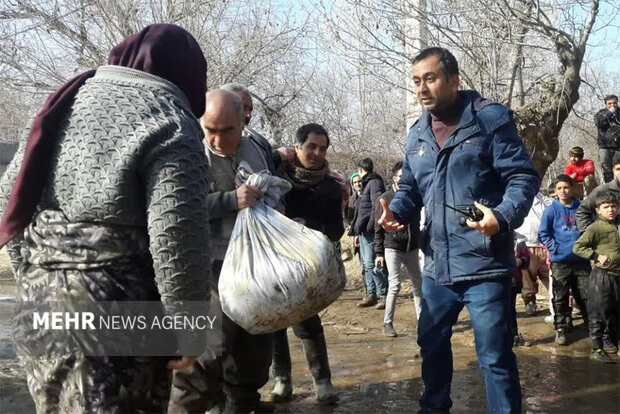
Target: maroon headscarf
column 165, row 50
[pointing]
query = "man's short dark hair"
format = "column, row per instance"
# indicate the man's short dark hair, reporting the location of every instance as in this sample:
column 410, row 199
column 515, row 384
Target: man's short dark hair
column 616, row 159
column 607, row 196
column 610, row 97
column 366, row 164
column 398, row 166
column 449, row 65
column 563, row 178
column 302, row 133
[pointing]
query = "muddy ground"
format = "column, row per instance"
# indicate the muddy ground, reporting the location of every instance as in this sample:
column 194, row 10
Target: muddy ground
column 376, row 374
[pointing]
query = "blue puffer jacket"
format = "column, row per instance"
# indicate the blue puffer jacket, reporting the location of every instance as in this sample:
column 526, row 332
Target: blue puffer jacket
column 558, row 231
column 485, row 161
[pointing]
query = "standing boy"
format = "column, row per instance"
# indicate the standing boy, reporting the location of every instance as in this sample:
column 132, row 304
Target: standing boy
column 397, row 249
column 559, row 232
column 537, row 268
column 363, row 225
column 601, row 244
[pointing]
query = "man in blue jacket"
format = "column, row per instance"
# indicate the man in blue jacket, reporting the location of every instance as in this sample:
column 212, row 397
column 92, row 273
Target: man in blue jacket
column 464, row 151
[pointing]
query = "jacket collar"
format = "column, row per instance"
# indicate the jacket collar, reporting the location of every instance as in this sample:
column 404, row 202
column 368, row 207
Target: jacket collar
column 466, row 126
column 616, row 220
column 370, row 176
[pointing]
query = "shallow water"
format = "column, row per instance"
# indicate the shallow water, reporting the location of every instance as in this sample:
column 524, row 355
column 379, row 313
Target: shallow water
column 377, row 379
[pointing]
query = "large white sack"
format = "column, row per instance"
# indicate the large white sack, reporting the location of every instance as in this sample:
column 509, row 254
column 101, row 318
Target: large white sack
column 277, row 272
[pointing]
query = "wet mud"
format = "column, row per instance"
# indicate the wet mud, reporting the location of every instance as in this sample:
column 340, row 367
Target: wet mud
column 377, row 374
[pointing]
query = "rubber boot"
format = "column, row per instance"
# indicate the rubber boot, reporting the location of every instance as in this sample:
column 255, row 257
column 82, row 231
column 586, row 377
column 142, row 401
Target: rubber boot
column 281, row 368
column 282, row 390
column 316, row 354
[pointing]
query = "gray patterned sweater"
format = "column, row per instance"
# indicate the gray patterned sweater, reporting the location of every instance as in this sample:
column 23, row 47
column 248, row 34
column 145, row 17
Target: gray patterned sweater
column 130, row 155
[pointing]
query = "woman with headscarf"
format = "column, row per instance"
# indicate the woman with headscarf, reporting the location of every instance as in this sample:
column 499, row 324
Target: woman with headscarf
column 108, row 204
column 355, row 183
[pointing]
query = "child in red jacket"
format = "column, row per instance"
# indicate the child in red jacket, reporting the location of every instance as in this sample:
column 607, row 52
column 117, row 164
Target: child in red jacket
column 581, row 171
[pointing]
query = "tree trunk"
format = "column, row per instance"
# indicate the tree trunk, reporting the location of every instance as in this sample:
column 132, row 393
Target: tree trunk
column 539, row 123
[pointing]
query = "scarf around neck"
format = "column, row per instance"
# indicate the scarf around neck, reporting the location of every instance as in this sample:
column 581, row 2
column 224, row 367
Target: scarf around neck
column 303, row 178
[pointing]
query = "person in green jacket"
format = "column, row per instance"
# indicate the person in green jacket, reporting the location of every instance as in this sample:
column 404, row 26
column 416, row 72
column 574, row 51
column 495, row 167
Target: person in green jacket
column 601, row 244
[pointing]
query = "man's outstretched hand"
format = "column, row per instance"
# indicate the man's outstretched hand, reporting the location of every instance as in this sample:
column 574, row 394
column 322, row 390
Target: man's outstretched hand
column 387, row 220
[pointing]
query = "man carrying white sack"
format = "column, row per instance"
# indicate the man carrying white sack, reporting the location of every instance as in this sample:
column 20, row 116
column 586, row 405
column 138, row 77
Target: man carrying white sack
column 229, row 381
column 314, row 201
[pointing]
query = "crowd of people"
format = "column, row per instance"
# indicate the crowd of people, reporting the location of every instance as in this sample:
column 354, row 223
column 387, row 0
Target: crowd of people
column 127, row 189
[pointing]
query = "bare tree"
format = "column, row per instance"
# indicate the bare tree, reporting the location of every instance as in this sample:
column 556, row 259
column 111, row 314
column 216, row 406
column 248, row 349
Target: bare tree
column 524, row 53
column 43, row 43
column 529, row 49
column 540, row 121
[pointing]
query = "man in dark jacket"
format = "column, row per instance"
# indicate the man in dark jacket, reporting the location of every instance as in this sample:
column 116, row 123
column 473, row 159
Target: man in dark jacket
column 356, row 191
column 363, row 225
column 464, row 151
column 394, row 250
column 607, row 122
column 316, row 202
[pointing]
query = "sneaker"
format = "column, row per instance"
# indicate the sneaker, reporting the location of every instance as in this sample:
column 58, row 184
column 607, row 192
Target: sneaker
column 548, row 319
column 530, row 309
column 600, row 355
column 282, row 390
column 367, row 301
column 560, row 337
column 381, row 304
column 388, row 330
column 519, row 340
column 609, row 346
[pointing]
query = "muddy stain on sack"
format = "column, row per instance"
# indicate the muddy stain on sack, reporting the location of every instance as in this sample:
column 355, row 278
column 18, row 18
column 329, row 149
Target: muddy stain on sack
column 271, row 256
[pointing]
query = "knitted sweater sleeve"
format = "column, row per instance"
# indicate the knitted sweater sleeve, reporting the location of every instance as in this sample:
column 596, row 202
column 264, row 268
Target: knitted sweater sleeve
column 7, row 181
column 175, row 172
